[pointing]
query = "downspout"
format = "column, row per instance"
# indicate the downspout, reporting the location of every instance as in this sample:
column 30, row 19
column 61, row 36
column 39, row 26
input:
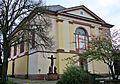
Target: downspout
column 27, row 54
column 13, row 67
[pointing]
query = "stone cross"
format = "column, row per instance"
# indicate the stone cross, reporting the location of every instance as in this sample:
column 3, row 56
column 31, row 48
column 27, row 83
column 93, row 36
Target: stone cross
column 52, row 62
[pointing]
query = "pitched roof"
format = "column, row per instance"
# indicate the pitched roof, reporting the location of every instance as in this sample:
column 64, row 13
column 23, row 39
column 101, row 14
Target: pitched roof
column 55, row 7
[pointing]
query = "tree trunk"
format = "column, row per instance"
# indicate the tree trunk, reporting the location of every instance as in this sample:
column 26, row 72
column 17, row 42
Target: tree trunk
column 112, row 73
column 6, row 54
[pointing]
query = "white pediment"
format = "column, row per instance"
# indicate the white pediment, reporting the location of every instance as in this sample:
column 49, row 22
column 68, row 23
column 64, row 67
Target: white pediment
column 81, row 12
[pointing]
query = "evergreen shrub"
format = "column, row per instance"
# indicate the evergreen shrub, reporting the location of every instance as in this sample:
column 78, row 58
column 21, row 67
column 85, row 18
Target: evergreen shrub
column 76, row 75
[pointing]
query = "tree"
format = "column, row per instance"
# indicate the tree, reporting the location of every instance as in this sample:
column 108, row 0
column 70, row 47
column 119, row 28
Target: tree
column 104, row 49
column 0, row 61
column 14, row 12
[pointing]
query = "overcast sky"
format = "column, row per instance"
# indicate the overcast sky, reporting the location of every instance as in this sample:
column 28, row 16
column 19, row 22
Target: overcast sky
column 108, row 10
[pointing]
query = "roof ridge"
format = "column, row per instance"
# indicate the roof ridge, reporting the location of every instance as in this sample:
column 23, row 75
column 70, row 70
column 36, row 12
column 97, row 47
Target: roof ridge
column 55, row 7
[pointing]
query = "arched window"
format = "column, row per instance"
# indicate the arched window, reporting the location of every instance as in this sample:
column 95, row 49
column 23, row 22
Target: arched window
column 81, row 43
column 81, row 39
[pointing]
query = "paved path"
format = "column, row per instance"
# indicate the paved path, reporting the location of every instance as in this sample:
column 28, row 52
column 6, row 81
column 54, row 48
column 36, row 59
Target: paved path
column 26, row 81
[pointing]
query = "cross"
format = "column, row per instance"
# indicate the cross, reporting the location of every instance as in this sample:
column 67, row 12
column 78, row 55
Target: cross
column 52, row 62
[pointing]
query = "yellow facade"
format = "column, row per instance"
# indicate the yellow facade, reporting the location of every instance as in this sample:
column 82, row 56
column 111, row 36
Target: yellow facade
column 9, row 71
column 92, row 32
column 26, row 47
column 100, row 67
column 59, row 35
column 12, row 52
column 97, row 67
column 100, row 32
column 61, row 62
column 21, row 65
column 71, row 36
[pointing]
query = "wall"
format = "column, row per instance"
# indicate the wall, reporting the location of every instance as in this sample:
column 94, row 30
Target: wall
column 93, row 67
column 44, row 62
column 77, row 12
column 33, row 63
column 61, row 62
column 100, row 67
column 40, row 61
column 63, row 33
column 21, row 65
column 9, row 71
column 66, row 36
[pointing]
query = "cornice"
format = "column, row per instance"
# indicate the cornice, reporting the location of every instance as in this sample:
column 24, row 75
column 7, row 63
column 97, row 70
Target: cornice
column 83, row 23
column 59, row 20
column 86, row 19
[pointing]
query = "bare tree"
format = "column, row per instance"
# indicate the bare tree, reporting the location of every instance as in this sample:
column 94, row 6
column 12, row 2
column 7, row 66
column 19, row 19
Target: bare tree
column 11, row 13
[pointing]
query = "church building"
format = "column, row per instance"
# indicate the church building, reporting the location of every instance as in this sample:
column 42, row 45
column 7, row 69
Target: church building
column 72, row 29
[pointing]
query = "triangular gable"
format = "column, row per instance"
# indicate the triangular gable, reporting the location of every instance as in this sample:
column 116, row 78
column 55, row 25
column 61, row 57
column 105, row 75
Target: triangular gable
column 82, row 13
column 78, row 10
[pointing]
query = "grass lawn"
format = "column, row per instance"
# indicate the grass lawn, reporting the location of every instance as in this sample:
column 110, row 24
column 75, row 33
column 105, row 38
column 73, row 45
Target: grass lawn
column 8, row 82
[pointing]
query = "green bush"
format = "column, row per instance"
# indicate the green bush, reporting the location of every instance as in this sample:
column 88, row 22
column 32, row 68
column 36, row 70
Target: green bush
column 75, row 75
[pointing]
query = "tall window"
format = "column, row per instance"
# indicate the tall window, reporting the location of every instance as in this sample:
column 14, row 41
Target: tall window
column 15, row 50
column 22, row 47
column 81, row 39
column 32, row 36
column 33, row 39
column 10, row 53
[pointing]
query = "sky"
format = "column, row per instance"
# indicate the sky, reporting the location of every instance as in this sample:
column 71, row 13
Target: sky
column 108, row 10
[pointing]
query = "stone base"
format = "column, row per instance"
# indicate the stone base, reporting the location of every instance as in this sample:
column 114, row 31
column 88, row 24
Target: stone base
column 53, row 77
column 39, row 76
column 24, row 76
